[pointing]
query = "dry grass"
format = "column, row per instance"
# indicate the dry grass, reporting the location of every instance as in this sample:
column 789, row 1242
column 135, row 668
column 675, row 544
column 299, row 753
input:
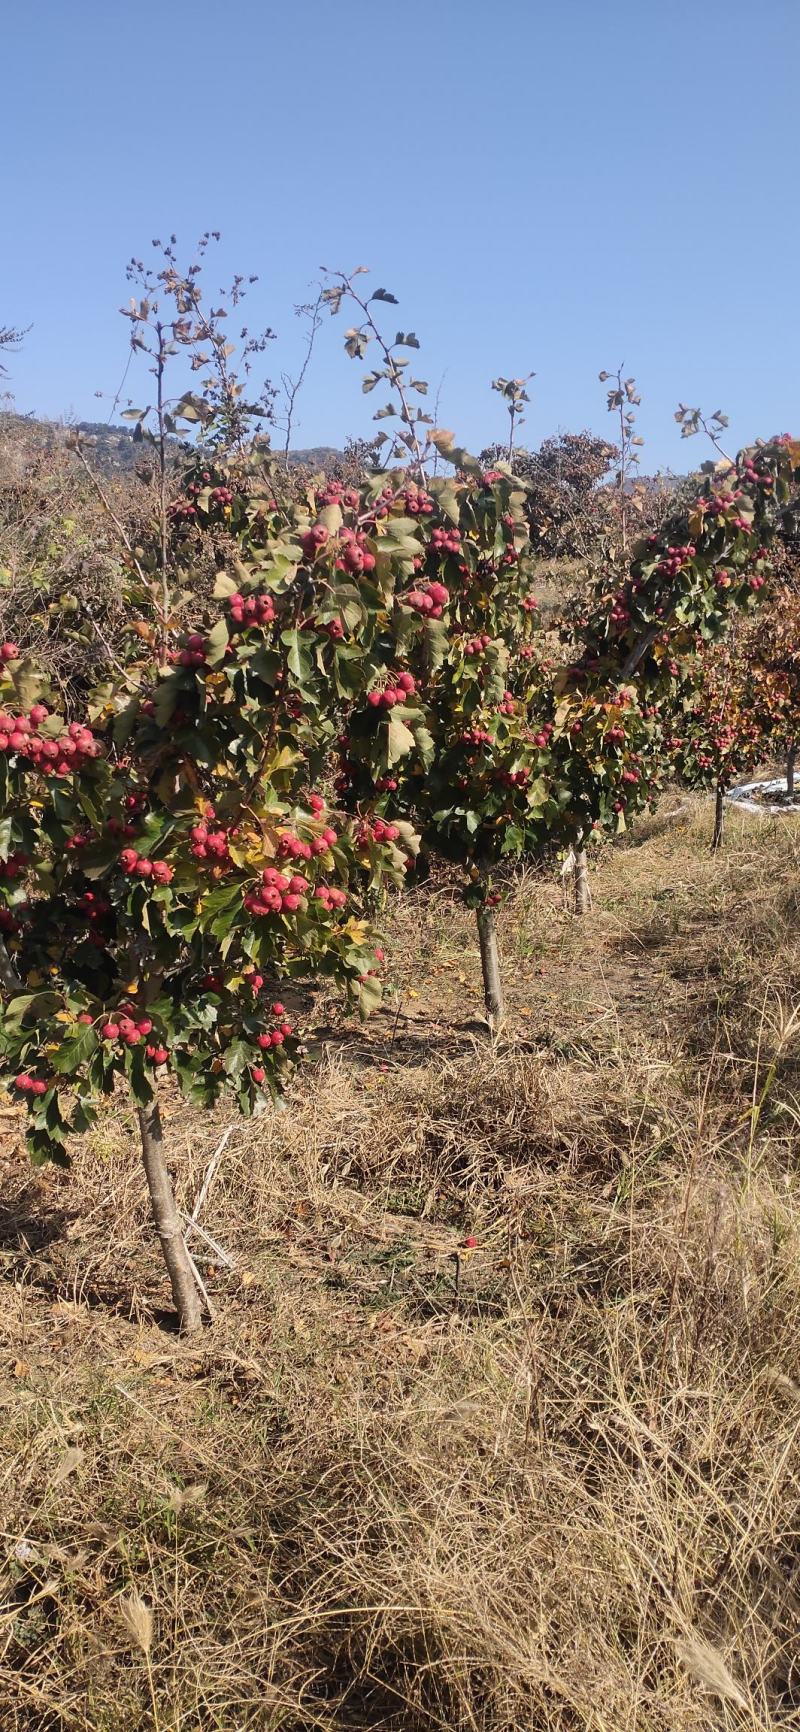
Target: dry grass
column 553, row 1483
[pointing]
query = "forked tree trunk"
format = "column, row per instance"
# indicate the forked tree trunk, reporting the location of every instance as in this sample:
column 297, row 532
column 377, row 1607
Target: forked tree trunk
column 790, row 759
column 167, row 1220
column 583, row 899
column 719, row 818
column 490, row 964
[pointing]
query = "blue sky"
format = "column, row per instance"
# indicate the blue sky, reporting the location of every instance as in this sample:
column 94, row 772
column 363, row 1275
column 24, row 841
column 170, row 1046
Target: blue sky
column 557, row 185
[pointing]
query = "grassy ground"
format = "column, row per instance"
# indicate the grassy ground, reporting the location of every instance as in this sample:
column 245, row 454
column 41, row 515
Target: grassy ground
column 552, row 1483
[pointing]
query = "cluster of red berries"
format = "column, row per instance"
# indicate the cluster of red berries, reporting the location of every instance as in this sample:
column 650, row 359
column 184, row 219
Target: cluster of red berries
column 128, row 1029
column 719, row 503
column 221, row 496
column 445, row 541
column 675, row 559
column 335, row 493
column 277, row 1035
column 329, row 897
column 314, row 539
column 513, row 778
column 211, row 844
column 251, row 609
column 508, row 705
column 181, row 511
column 291, row 847
column 430, row 601
column 754, row 475
column 542, row 739
column 355, row 556
column 376, row 831
column 475, row 646
column 60, row 757
column 414, row 500
column 193, row 654
column 138, row 866
column 278, row 894
column 475, row 737
column 530, row 604
column 13, row 867
column 402, row 687
column 31, row 1085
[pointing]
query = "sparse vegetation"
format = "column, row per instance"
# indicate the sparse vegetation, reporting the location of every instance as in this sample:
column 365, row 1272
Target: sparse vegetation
column 552, row 1481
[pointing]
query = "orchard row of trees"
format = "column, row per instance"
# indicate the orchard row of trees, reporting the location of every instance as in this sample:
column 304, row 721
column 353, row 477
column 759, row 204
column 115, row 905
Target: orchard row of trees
column 210, row 829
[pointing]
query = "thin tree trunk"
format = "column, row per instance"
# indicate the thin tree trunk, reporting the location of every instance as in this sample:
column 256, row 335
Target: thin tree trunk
column 490, row 963
column 719, row 818
column 790, row 759
column 583, row 900
column 167, row 1220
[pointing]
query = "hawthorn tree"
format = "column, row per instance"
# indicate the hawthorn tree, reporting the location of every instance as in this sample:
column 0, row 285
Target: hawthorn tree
column 167, row 873
column 497, row 750
column 720, row 737
column 773, row 695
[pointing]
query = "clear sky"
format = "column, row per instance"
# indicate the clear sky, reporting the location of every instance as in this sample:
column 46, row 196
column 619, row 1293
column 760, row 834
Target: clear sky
column 557, row 185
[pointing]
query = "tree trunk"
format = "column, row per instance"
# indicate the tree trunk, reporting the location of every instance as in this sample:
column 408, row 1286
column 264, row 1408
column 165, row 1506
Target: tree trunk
column 790, row 758
column 583, row 900
column 167, row 1220
column 719, row 818
column 490, row 963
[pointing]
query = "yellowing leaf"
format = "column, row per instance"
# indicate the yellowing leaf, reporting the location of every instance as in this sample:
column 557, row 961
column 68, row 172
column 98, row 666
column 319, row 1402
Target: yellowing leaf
column 63, row 1016
column 132, row 986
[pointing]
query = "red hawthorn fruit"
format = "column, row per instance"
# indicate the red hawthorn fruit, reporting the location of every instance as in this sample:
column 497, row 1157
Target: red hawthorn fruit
column 110, row 1031
column 257, row 1073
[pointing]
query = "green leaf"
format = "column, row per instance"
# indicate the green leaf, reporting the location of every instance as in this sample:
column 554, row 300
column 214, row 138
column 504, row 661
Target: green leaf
column 224, row 586
column 138, row 1078
column 217, row 643
column 298, row 660
column 369, row 993
column 400, row 740
column 75, row 1050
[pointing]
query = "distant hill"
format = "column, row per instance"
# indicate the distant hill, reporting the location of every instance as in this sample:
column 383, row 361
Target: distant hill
column 115, row 451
